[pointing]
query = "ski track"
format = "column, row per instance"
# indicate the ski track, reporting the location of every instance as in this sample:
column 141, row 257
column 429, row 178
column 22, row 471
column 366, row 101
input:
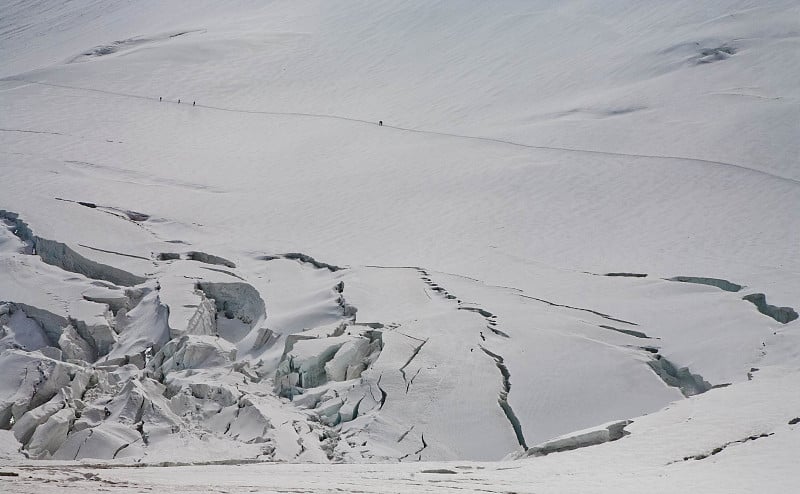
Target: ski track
column 28, row 131
column 494, row 140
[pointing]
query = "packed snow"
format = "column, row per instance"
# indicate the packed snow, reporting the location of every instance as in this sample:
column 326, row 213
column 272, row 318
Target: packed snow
column 566, row 260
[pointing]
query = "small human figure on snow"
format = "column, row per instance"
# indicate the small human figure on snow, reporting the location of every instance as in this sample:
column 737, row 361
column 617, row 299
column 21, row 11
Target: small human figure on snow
column 380, row 123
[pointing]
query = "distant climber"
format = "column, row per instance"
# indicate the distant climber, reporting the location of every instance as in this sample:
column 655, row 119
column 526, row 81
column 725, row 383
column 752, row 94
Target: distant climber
column 380, row 123
column 179, row 101
column 193, row 102
column 159, row 98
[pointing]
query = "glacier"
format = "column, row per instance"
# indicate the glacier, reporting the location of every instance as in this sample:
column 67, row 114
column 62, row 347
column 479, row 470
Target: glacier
column 515, row 246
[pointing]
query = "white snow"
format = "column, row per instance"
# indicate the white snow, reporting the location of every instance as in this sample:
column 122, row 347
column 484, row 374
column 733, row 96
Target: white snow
column 566, row 261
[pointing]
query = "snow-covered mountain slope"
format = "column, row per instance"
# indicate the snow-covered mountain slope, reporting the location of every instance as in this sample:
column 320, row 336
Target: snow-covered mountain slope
column 710, row 443
column 573, row 215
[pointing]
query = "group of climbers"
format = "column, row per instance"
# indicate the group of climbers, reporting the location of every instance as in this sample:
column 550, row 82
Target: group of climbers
column 194, row 103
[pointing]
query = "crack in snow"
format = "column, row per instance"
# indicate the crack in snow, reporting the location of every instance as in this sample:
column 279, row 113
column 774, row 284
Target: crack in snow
column 413, row 355
column 629, row 332
column 91, row 431
column 719, row 449
column 503, row 397
column 62, row 256
column 604, row 316
column 783, row 315
column 403, row 435
column 114, row 252
column 681, row 378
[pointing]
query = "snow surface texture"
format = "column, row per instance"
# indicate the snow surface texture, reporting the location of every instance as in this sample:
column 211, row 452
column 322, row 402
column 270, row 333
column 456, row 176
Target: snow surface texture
column 575, row 223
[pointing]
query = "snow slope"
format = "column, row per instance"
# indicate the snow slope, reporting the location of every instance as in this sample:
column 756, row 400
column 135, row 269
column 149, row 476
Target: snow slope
column 707, row 444
column 574, row 214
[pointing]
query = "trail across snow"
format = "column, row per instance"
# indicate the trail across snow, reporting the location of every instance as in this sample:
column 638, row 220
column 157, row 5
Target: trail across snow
column 414, row 130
